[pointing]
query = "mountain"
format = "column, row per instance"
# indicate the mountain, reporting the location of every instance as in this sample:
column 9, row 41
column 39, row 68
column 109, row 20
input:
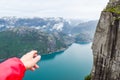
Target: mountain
column 47, row 35
column 17, row 41
column 70, row 27
column 106, row 44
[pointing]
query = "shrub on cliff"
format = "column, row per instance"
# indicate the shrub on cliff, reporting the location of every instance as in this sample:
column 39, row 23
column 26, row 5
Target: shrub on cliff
column 88, row 77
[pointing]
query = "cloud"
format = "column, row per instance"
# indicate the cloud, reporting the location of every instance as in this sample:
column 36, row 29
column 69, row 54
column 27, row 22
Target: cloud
column 87, row 9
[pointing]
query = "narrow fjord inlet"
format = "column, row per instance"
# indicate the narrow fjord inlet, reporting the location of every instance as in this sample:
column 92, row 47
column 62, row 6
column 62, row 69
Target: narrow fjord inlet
column 73, row 64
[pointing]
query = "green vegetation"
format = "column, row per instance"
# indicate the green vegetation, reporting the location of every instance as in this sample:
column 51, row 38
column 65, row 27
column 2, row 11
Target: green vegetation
column 115, row 9
column 88, row 77
column 12, row 44
column 18, row 43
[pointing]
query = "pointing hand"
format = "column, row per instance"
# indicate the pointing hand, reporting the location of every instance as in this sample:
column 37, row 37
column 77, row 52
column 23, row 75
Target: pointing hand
column 30, row 60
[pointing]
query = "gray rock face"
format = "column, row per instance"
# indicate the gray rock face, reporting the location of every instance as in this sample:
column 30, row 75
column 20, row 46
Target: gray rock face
column 106, row 47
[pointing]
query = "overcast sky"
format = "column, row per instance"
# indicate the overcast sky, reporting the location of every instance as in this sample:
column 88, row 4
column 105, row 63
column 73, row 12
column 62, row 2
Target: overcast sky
column 83, row 9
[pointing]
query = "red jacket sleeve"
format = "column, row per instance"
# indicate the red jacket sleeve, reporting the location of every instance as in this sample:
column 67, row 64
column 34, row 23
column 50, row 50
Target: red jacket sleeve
column 12, row 69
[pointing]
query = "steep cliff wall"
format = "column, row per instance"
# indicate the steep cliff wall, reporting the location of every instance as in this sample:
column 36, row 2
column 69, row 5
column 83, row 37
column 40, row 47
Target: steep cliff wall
column 106, row 44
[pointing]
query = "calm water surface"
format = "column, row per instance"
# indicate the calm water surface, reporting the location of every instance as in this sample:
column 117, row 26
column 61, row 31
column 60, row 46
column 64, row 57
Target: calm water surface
column 73, row 64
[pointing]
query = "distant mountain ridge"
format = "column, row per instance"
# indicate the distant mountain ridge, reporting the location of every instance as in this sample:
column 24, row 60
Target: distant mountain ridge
column 70, row 27
column 47, row 35
column 48, row 24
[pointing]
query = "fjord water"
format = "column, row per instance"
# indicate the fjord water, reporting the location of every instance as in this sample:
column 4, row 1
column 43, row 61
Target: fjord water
column 72, row 64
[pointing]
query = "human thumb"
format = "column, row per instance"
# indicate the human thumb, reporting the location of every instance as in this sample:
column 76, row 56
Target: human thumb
column 37, row 58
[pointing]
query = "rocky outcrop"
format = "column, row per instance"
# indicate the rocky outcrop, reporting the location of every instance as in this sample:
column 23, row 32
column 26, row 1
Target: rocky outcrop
column 106, row 44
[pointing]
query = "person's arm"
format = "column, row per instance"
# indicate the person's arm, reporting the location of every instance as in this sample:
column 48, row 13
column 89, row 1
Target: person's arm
column 14, row 68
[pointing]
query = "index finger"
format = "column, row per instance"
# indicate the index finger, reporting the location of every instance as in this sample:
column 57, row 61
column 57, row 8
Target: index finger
column 33, row 53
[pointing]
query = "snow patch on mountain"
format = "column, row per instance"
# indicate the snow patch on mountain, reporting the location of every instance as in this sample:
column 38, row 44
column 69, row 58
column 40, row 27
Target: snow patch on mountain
column 58, row 26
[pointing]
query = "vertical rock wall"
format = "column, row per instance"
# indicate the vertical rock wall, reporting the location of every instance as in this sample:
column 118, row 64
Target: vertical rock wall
column 106, row 45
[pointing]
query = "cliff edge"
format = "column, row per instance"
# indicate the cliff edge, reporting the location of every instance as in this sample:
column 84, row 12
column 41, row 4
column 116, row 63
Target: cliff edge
column 106, row 44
